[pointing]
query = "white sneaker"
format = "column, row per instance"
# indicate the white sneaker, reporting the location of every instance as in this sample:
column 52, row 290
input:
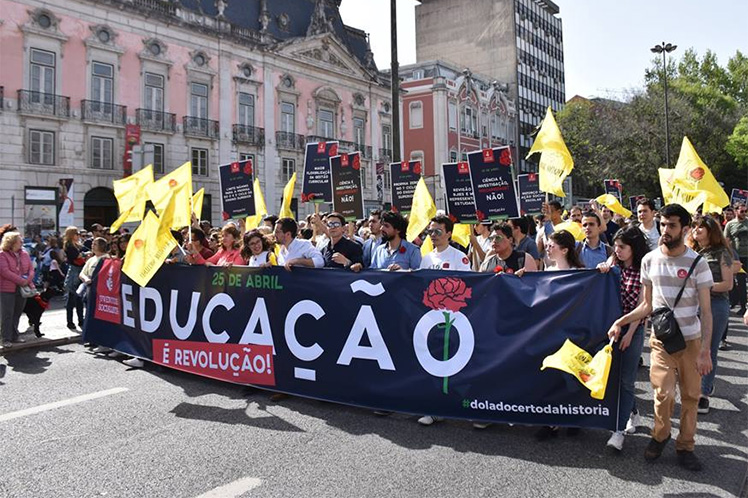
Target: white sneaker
column 632, row 424
column 481, row 425
column 134, row 362
column 102, row 350
column 428, row 420
column 616, row 441
column 116, row 354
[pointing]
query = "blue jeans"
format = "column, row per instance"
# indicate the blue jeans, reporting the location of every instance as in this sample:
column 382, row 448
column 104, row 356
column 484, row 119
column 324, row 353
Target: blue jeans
column 720, row 317
column 629, row 367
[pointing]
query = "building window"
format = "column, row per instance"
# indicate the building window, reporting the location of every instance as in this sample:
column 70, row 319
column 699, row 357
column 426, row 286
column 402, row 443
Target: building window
column 287, row 169
column 469, row 121
column 243, row 156
column 386, row 177
column 387, row 137
column 200, row 162
column 246, row 109
column 359, row 136
column 452, row 115
column 42, row 75
column 101, row 153
column 326, row 123
column 288, row 117
column 154, row 92
column 158, row 157
column 102, row 83
column 41, row 147
column 199, row 100
column 364, row 180
column 416, row 115
column 453, row 156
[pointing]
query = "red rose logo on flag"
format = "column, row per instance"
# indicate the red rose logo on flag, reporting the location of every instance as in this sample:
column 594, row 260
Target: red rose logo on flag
column 333, row 150
column 356, row 162
column 463, row 168
column 321, row 148
column 417, row 168
column 404, row 166
column 138, row 243
column 234, row 168
column 488, row 155
column 172, row 183
column 344, row 160
column 225, row 215
column 248, row 168
column 505, row 159
column 447, row 294
column 697, row 173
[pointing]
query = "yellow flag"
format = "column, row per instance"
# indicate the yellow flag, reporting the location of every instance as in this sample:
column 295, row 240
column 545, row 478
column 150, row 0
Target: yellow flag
column 711, row 208
column 677, row 193
column 197, row 203
column 692, row 175
column 421, row 211
column 427, row 246
column 260, row 208
column 592, row 371
column 611, row 201
column 149, row 246
column 666, row 184
column 285, row 211
column 573, row 228
column 159, row 193
column 461, row 234
column 555, row 160
column 122, row 219
column 131, row 196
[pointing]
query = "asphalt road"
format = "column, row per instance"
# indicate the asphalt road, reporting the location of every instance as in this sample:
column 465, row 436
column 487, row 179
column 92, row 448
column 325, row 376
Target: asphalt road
column 115, row 431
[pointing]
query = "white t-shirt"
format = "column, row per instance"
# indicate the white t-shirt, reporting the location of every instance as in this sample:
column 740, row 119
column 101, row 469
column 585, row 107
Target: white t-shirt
column 653, row 236
column 485, row 245
column 448, row 259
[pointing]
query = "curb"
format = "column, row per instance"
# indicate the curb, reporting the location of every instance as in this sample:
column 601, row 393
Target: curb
column 41, row 344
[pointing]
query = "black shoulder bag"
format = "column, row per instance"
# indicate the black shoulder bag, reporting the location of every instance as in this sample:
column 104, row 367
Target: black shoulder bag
column 665, row 326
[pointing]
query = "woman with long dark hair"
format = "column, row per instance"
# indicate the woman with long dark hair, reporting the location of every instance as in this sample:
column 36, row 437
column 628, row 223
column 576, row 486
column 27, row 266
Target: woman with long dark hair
column 76, row 258
column 707, row 239
column 256, row 250
column 629, row 247
column 561, row 249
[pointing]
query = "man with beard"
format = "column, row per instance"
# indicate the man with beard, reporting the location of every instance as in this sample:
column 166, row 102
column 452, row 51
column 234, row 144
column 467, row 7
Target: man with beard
column 664, row 272
column 375, row 227
column 395, row 253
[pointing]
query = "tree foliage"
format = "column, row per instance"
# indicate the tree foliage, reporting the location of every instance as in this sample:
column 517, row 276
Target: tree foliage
column 626, row 140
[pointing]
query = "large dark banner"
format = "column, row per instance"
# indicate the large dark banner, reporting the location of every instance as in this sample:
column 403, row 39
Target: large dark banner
column 237, row 192
column 347, row 196
column 374, row 339
column 317, row 185
column 405, row 176
column 458, row 189
column 531, row 198
column 493, row 185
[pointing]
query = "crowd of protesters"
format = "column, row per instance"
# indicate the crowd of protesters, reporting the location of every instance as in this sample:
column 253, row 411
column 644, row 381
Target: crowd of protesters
column 638, row 250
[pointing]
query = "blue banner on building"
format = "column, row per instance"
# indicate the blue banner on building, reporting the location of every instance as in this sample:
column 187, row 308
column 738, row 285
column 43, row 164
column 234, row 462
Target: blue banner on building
column 460, row 345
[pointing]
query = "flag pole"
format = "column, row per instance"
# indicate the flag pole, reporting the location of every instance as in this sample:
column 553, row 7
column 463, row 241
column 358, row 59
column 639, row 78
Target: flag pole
column 192, row 213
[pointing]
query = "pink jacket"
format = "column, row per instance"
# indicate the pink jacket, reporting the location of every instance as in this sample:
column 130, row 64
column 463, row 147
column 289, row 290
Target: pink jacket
column 222, row 257
column 12, row 266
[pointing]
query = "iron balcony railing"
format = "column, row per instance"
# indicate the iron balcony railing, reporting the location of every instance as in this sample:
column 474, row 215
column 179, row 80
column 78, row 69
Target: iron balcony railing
column 103, row 112
column 288, row 140
column 200, row 127
column 150, row 120
column 43, row 104
column 250, row 135
column 385, row 155
column 164, row 7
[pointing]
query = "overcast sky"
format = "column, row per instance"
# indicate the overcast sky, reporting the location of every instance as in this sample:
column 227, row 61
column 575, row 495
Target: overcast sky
column 606, row 43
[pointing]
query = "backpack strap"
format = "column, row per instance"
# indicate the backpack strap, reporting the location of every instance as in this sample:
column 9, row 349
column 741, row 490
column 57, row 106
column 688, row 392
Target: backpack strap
column 683, row 287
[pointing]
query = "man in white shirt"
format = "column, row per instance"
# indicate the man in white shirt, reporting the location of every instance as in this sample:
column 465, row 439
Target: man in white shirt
column 295, row 252
column 479, row 243
column 444, row 256
column 645, row 211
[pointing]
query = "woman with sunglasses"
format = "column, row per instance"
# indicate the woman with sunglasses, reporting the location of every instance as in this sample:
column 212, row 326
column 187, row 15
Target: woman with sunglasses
column 256, row 250
column 707, row 239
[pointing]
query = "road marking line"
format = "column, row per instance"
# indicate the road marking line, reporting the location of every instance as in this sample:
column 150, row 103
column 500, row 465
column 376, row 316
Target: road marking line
column 60, row 404
column 233, row 489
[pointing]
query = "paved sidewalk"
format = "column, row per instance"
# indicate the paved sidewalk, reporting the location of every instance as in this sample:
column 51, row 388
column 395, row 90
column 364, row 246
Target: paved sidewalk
column 54, row 328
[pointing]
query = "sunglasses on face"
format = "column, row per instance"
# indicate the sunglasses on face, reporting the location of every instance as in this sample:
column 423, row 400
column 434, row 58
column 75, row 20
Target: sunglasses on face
column 435, row 231
column 334, row 224
column 496, row 238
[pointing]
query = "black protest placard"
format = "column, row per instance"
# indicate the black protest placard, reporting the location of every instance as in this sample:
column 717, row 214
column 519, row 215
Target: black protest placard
column 531, row 198
column 493, row 186
column 237, row 192
column 614, row 188
column 739, row 196
column 347, row 195
column 316, row 185
column 405, row 176
column 458, row 189
column 633, row 200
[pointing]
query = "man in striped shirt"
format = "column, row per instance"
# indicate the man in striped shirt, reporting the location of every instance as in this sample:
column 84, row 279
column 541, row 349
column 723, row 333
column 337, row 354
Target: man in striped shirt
column 663, row 273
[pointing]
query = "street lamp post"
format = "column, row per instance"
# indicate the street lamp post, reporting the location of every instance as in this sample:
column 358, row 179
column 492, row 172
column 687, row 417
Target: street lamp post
column 395, row 70
column 664, row 49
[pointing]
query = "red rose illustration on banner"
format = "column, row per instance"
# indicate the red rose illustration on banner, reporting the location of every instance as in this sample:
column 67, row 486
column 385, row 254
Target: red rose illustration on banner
column 505, row 159
column 488, row 155
column 453, row 218
column 304, row 197
column 310, row 197
column 480, row 215
column 321, row 147
column 697, row 173
column 248, row 168
column 447, row 295
column 333, row 150
column 393, row 209
column 498, row 269
column 234, row 167
column 225, row 215
column 356, row 162
column 417, row 168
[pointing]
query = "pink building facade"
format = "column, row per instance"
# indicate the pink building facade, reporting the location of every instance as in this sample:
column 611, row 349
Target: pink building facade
column 193, row 80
